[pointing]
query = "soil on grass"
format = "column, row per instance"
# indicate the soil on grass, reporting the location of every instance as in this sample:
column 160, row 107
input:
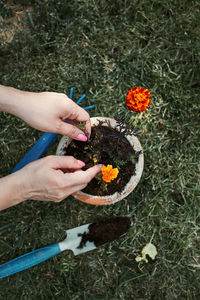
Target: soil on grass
column 108, row 148
column 105, row 231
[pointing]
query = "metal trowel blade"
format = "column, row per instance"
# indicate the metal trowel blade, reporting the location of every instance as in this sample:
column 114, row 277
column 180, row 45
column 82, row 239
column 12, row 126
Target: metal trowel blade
column 90, row 236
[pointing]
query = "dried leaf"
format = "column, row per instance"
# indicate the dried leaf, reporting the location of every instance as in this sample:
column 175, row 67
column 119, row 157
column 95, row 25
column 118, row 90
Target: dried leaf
column 150, row 250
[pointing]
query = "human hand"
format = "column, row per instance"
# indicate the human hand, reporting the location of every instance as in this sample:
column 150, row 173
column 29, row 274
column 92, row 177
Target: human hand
column 46, row 111
column 54, row 178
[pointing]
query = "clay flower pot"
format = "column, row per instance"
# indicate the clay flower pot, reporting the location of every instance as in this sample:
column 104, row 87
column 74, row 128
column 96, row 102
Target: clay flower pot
column 130, row 186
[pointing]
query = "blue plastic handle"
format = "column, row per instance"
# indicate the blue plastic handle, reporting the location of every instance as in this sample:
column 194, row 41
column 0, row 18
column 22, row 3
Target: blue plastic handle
column 37, row 150
column 28, row 260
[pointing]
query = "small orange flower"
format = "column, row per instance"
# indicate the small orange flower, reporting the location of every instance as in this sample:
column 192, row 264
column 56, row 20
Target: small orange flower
column 138, row 99
column 95, row 160
column 108, row 173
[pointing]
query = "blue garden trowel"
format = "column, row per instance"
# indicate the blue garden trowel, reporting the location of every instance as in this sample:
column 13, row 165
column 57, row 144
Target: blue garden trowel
column 80, row 240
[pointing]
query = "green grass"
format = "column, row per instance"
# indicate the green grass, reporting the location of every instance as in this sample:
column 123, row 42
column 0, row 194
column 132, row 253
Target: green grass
column 104, row 48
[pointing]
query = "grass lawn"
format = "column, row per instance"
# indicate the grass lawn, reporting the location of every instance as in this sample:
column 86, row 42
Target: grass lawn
column 104, row 48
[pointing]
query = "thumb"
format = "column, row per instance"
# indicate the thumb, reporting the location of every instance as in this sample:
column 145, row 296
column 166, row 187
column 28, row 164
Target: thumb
column 64, row 162
column 84, row 177
column 92, row 172
column 72, row 131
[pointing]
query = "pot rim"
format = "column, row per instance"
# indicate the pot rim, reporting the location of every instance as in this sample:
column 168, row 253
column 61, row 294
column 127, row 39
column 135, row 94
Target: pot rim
column 130, row 186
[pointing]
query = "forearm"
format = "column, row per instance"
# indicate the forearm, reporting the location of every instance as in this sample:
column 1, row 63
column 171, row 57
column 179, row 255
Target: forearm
column 12, row 190
column 12, row 100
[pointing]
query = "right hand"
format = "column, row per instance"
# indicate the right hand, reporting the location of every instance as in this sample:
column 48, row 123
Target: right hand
column 53, row 178
column 46, row 111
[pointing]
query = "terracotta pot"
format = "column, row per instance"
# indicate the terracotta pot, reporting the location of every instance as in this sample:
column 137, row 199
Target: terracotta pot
column 104, row 200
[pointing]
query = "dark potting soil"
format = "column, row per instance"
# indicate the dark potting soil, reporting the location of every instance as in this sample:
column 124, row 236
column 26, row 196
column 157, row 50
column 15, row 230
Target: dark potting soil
column 105, row 231
column 109, row 148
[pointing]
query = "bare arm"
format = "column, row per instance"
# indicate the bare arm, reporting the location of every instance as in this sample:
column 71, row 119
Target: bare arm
column 12, row 190
column 8, row 99
column 45, row 179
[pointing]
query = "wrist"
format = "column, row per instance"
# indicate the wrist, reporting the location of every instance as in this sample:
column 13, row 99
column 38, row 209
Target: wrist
column 11, row 100
column 13, row 189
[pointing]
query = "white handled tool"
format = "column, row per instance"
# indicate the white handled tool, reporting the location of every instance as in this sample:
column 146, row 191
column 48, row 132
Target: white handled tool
column 80, row 239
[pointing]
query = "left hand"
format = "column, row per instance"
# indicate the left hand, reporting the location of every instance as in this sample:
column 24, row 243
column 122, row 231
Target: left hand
column 54, row 178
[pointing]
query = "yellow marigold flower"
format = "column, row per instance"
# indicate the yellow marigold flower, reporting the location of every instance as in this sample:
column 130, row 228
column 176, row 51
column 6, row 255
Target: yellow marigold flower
column 95, row 159
column 138, row 99
column 108, row 173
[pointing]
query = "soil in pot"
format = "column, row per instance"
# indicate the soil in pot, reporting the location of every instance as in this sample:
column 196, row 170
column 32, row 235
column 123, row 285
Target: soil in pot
column 106, row 146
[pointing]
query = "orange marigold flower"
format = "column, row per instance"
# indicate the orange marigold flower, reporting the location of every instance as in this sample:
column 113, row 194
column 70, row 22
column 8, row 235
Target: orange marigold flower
column 138, row 99
column 108, row 173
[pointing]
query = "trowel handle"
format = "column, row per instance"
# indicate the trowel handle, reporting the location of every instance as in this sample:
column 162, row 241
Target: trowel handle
column 37, row 150
column 28, row 260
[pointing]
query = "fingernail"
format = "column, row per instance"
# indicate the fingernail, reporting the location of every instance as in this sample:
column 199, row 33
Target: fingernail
column 82, row 137
column 81, row 163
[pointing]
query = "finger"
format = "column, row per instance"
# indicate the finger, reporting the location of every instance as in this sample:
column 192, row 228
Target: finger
column 64, row 162
column 84, row 177
column 77, row 114
column 72, row 131
column 92, row 172
column 87, row 126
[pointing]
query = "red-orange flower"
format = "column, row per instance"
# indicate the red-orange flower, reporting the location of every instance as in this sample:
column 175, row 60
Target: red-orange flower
column 138, row 99
column 108, row 173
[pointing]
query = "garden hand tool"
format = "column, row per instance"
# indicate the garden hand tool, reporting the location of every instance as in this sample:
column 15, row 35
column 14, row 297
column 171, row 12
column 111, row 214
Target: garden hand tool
column 80, row 240
column 44, row 142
